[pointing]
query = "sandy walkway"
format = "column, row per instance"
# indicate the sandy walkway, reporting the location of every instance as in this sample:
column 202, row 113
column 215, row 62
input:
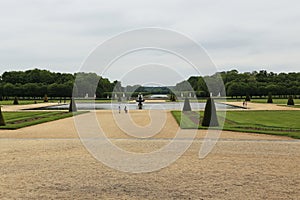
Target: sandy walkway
column 261, row 106
column 49, row 161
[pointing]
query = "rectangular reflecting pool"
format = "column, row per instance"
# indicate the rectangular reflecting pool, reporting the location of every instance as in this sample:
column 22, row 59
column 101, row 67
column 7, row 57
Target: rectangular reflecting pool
column 134, row 106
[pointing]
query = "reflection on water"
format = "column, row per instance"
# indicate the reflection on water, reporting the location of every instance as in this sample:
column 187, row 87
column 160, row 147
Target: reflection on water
column 132, row 106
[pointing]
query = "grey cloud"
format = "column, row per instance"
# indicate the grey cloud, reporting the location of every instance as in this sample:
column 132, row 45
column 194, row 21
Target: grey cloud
column 59, row 34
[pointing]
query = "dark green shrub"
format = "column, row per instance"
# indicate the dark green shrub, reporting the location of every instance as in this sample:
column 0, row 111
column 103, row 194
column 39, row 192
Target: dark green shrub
column 72, row 107
column 172, row 97
column 16, row 101
column 46, row 98
column 2, row 121
column 290, row 101
column 119, row 99
column 210, row 114
column 248, row 98
column 270, row 99
column 187, row 105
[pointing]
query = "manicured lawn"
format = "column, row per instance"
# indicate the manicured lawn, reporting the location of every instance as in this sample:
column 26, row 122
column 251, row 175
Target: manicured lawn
column 269, row 122
column 21, row 102
column 26, row 102
column 15, row 120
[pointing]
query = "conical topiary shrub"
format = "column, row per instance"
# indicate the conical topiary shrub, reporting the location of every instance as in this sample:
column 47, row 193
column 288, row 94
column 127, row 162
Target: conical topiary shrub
column 172, row 97
column 270, row 100
column 16, row 101
column 290, row 101
column 72, row 107
column 210, row 114
column 247, row 98
column 2, row 121
column 46, row 98
column 186, row 105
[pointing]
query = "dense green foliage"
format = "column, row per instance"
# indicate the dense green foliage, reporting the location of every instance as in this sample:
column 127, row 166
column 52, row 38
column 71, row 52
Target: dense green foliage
column 210, row 114
column 37, row 83
column 268, row 122
column 239, row 84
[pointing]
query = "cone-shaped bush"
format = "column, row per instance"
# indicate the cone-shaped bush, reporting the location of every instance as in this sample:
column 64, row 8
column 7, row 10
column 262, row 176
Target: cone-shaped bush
column 270, row 99
column 247, row 98
column 210, row 114
column 2, row 121
column 46, row 98
column 290, row 101
column 72, row 107
column 172, row 97
column 187, row 105
column 16, row 101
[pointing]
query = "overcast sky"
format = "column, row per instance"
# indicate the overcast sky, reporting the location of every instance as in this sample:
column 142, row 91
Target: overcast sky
column 59, row 35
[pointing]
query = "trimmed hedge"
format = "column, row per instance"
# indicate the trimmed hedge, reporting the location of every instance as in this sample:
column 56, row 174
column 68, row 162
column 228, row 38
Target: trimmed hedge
column 290, row 101
column 210, row 114
column 187, row 105
column 72, row 106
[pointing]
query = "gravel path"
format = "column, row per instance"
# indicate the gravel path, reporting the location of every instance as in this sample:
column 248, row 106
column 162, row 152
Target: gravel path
column 261, row 106
column 49, row 161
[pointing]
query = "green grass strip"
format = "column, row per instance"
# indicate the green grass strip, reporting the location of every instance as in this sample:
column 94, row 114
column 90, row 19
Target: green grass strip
column 285, row 123
column 24, row 119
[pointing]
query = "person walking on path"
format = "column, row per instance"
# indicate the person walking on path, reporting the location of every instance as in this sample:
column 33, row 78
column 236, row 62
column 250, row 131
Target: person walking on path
column 125, row 109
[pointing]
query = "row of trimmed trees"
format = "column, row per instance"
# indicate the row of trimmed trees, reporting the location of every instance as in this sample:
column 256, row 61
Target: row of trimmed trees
column 238, row 85
column 290, row 101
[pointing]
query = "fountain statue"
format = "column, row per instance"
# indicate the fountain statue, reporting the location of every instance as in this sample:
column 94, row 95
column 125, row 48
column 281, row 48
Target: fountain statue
column 140, row 101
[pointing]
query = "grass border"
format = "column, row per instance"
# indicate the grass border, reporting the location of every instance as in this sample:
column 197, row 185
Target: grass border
column 293, row 133
column 46, row 117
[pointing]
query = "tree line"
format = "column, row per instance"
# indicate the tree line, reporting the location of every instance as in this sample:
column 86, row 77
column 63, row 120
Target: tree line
column 238, row 85
column 37, row 83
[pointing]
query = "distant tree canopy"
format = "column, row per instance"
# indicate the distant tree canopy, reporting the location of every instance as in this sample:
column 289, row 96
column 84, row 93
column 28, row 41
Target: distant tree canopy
column 38, row 83
column 261, row 83
column 240, row 84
